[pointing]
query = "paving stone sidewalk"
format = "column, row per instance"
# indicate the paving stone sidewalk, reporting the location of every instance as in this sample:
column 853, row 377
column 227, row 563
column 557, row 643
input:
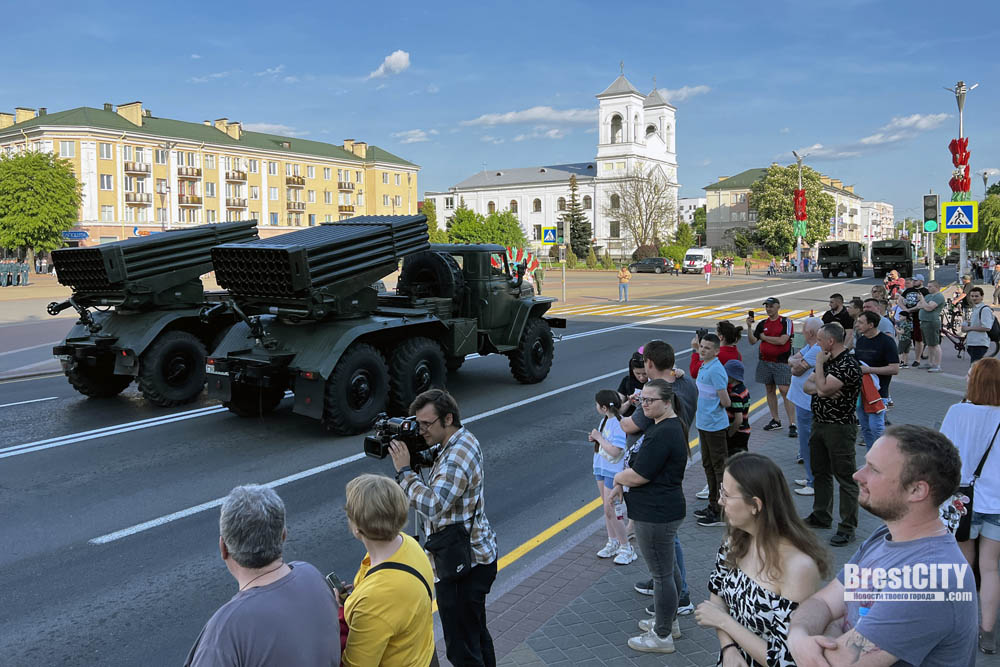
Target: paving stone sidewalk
column 580, row 610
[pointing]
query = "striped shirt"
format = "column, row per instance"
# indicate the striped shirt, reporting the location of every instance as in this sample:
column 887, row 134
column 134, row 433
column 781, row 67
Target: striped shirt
column 455, row 489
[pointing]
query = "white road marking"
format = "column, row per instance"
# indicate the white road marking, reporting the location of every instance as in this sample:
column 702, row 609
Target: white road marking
column 34, row 400
column 32, row 347
column 735, row 291
column 53, row 362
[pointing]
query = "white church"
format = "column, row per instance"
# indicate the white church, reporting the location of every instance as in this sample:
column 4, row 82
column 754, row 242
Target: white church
column 635, row 131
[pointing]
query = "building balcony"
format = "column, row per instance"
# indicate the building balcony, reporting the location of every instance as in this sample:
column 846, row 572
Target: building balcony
column 345, row 186
column 238, row 176
column 345, row 208
column 139, row 198
column 296, row 206
column 236, row 202
column 188, row 172
column 189, row 200
column 136, row 168
column 295, row 181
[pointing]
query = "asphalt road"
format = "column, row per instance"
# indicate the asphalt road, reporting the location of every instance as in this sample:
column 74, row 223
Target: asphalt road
column 74, row 471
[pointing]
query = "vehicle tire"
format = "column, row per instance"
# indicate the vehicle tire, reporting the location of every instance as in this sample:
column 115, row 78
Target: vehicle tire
column 657, row 270
column 98, row 381
column 531, row 361
column 431, row 274
column 825, row 272
column 452, row 364
column 356, row 390
column 172, row 369
column 247, row 400
column 417, row 364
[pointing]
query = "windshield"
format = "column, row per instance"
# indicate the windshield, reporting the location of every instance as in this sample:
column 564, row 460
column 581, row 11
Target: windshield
column 693, row 258
column 837, row 249
column 892, row 250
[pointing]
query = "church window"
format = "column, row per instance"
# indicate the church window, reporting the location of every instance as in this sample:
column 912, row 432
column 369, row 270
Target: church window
column 538, row 233
column 616, row 129
column 616, row 202
column 491, row 207
column 587, row 202
column 650, row 130
column 513, row 206
column 562, row 203
column 615, row 229
column 536, row 206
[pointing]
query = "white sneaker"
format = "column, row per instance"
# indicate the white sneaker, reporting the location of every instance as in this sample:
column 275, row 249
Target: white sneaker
column 703, row 494
column 609, row 550
column 651, row 643
column 626, row 554
column 805, row 491
column 646, row 625
column 802, row 482
column 935, row 369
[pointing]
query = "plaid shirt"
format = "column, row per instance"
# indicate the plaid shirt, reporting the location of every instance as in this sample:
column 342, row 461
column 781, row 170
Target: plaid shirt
column 456, row 485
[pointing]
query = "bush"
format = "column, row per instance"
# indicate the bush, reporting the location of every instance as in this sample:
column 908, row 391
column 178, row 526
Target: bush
column 644, row 251
column 554, row 252
column 570, row 259
column 606, row 262
column 591, row 259
column 673, row 252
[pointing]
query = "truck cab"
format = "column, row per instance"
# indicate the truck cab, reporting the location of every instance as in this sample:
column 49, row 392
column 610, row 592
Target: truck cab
column 837, row 256
column 892, row 254
column 694, row 260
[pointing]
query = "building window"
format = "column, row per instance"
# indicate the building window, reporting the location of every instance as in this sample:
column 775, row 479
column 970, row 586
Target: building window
column 312, row 219
column 161, row 215
column 615, row 229
column 385, row 200
column 397, row 179
column 127, row 153
column 312, row 196
column 254, row 192
column 210, row 163
column 616, row 129
column 210, row 189
column 273, row 194
column 252, row 166
column 193, row 160
column 210, row 215
column 107, row 152
column 357, row 176
column 536, row 206
column 140, row 185
column 129, row 184
column 361, row 199
column 491, row 207
column 272, row 168
column 399, row 200
column 161, row 156
column 327, row 197
column 616, row 202
column 587, row 202
column 537, row 233
column 274, row 219
column 106, row 182
column 385, row 178
column 161, row 185
column 107, row 213
column 328, row 218
column 347, row 198
column 67, row 149
column 326, row 173
column 561, row 204
column 310, row 172
column 449, row 203
column 513, row 206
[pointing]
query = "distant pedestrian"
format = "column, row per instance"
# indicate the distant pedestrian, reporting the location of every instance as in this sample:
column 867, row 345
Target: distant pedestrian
column 981, row 318
column 708, row 273
column 930, row 309
column 768, row 563
column 738, row 433
column 713, row 424
column 624, row 277
column 283, row 613
column 879, row 357
column 996, row 285
column 835, row 386
column 775, row 336
column 539, row 274
column 801, row 365
column 609, row 453
column 746, row 266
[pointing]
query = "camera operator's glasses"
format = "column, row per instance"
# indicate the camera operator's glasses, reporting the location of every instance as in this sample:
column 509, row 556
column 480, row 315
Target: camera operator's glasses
column 646, row 401
column 424, row 426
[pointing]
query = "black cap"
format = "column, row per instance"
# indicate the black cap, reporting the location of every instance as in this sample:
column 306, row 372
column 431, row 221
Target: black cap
column 770, row 301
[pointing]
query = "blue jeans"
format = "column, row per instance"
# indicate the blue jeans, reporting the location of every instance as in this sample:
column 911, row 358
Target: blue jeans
column 872, row 426
column 679, row 559
column 656, row 544
column 988, row 276
column 804, row 417
column 623, row 291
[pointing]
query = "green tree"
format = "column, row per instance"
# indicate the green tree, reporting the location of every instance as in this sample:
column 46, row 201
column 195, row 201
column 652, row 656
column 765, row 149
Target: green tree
column 570, row 259
column 700, row 219
column 988, row 236
column 468, row 226
column 993, row 189
column 574, row 220
column 773, row 199
column 39, row 200
column 591, row 258
column 436, row 235
column 684, row 236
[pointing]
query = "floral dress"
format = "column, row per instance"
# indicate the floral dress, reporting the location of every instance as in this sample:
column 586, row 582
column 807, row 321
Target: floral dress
column 764, row 613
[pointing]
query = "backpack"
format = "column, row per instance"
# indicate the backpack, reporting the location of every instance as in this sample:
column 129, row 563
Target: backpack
column 994, row 332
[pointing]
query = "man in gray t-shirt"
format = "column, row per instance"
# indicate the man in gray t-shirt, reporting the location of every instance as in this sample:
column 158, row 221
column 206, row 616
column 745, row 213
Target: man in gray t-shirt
column 908, row 596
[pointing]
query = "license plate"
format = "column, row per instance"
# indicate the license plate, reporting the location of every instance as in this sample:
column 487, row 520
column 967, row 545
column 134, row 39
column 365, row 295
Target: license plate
column 209, row 368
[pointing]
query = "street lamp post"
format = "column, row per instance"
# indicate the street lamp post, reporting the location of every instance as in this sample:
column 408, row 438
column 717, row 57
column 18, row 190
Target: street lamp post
column 798, row 239
column 960, row 90
column 986, row 185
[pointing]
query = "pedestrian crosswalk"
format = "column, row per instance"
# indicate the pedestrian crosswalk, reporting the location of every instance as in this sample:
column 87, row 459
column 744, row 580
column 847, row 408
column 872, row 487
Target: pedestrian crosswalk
column 687, row 312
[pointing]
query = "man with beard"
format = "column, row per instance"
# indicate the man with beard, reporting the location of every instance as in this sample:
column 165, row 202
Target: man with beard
column 909, row 472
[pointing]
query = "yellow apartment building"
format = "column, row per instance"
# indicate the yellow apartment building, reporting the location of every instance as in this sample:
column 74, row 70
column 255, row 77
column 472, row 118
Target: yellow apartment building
column 140, row 173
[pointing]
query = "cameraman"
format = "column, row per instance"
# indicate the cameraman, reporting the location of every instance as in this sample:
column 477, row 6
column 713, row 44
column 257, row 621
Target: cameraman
column 454, row 495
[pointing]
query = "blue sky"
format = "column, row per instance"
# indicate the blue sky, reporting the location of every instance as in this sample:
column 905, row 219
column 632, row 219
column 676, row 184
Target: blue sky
column 450, row 86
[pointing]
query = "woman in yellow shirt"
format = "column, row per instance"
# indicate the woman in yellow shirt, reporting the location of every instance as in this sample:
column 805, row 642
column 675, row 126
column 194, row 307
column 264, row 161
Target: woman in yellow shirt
column 389, row 611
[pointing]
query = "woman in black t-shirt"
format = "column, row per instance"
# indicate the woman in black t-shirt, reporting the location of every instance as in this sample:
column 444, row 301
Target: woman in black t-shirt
column 632, row 383
column 656, row 503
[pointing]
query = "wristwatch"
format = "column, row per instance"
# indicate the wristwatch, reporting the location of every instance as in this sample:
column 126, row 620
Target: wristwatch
column 401, row 472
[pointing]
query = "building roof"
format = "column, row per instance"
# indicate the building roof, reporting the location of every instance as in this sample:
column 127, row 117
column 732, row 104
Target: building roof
column 744, row 179
column 620, row 86
column 555, row 173
column 656, row 99
column 178, row 129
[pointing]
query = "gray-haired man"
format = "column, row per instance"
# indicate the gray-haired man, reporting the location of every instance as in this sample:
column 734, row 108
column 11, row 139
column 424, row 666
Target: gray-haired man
column 283, row 613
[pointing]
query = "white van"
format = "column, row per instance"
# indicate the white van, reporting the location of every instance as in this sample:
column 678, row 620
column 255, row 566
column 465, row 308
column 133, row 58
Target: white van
column 694, row 260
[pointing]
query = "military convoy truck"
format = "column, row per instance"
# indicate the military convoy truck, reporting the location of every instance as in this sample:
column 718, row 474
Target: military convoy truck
column 140, row 303
column 311, row 322
column 892, row 254
column 837, row 256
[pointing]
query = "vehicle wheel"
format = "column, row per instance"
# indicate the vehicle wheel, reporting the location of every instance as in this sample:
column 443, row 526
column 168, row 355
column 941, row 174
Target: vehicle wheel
column 825, row 272
column 172, row 369
column 418, row 364
column 249, row 401
column 98, row 381
column 531, row 361
column 356, row 390
column 453, row 363
column 657, row 270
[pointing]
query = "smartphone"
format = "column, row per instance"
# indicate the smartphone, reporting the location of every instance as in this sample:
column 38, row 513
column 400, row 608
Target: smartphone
column 750, row 314
column 337, row 586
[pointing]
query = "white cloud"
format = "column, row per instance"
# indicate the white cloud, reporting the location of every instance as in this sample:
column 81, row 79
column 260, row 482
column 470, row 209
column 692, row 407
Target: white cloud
column 821, row 152
column 271, row 71
column 540, row 114
column 380, row 86
column 687, row 92
column 195, row 56
column 394, row 63
column 209, row 77
column 291, row 79
column 490, row 140
column 706, row 162
column 432, row 89
column 274, row 128
column 433, row 132
column 543, row 133
column 991, row 171
column 901, row 128
column 412, row 136
column 785, row 130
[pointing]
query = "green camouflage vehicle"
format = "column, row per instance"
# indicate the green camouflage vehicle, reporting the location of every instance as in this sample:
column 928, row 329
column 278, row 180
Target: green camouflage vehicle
column 140, row 302
column 837, row 256
column 312, row 323
column 892, row 254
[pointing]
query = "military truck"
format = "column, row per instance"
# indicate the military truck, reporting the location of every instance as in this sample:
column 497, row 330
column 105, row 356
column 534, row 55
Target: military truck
column 892, row 254
column 140, row 302
column 312, row 323
column 837, row 256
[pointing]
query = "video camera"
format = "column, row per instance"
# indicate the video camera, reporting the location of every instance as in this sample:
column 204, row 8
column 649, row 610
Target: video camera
column 404, row 429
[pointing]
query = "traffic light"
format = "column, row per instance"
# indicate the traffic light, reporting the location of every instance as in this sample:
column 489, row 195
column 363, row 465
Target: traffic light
column 930, row 213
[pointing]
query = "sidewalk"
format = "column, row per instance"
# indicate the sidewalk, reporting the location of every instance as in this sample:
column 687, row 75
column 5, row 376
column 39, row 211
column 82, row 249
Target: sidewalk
column 580, row 610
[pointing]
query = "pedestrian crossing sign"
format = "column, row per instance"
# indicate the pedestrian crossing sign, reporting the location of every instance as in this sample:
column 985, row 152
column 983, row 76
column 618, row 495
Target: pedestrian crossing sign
column 960, row 217
column 548, row 235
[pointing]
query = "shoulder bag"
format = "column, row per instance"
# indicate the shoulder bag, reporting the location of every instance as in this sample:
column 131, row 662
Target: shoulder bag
column 451, row 548
column 403, row 567
column 964, row 525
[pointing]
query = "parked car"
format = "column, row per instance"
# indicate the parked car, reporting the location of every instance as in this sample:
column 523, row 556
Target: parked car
column 651, row 265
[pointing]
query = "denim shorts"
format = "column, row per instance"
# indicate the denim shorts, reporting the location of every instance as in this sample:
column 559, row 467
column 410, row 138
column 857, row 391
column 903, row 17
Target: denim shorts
column 609, row 482
column 987, row 525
